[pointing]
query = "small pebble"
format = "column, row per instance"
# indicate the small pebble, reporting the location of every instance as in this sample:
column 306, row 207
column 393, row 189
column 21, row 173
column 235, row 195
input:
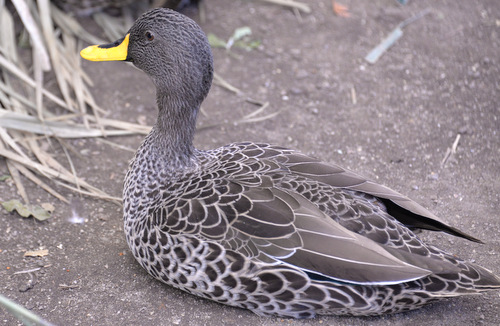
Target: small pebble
column 25, row 287
column 433, row 176
column 296, row 91
column 301, row 74
column 314, row 111
column 30, row 305
column 296, row 54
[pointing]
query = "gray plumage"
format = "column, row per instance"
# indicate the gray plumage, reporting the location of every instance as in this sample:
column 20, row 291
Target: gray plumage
column 267, row 228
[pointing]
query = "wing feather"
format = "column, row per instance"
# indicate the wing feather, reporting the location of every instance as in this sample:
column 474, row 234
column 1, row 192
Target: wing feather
column 399, row 206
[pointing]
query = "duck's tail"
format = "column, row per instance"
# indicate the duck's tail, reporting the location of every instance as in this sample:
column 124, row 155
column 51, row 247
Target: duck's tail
column 471, row 279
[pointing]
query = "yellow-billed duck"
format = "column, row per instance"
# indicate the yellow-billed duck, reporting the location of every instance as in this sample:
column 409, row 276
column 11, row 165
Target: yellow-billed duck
column 264, row 227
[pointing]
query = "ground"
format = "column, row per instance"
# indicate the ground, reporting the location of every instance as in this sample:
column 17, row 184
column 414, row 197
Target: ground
column 392, row 121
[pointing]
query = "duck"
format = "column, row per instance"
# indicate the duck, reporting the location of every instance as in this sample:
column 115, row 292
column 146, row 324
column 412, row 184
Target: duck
column 264, row 227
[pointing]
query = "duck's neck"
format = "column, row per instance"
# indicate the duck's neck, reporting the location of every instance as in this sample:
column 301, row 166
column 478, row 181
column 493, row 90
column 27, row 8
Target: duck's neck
column 172, row 135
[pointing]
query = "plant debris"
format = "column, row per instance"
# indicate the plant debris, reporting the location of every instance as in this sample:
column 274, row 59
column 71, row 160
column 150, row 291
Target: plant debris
column 21, row 313
column 36, row 253
column 5, row 177
column 292, row 4
column 28, row 109
column 26, row 211
column 450, row 151
column 340, row 10
column 393, row 36
column 238, row 39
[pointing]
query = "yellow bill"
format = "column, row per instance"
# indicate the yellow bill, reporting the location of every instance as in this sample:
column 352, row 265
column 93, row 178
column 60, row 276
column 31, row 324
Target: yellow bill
column 116, row 51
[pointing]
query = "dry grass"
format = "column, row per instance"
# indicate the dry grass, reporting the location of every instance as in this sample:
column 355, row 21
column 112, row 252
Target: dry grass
column 31, row 114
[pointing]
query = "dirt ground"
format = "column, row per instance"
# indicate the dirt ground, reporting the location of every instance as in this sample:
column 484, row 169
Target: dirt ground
column 392, row 121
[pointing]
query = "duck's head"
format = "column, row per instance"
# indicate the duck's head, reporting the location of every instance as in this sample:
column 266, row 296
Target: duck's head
column 169, row 47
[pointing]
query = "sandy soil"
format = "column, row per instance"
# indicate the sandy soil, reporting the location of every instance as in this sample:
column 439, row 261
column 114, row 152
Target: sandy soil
column 440, row 80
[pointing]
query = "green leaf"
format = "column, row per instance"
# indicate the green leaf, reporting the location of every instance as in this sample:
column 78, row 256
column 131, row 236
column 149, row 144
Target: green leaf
column 235, row 40
column 4, row 177
column 26, row 210
column 237, row 35
column 249, row 46
column 39, row 213
column 241, row 32
column 215, row 41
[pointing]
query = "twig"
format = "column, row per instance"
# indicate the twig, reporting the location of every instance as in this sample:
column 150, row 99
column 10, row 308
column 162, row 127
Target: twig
column 219, row 81
column 27, row 271
column 14, row 173
column 25, row 122
column 353, row 95
column 393, row 36
column 22, row 313
column 68, row 23
column 56, row 55
column 60, row 173
column 67, row 287
column 96, row 193
column 29, row 81
column 36, row 38
column 254, row 113
column 71, row 165
column 290, row 3
column 455, row 144
column 113, row 144
column 251, row 117
column 13, row 94
column 255, row 102
column 9, row 141
column 31, row 176
column 450, row 151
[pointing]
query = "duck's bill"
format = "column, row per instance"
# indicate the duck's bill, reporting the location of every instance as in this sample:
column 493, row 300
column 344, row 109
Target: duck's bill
column 116, row 51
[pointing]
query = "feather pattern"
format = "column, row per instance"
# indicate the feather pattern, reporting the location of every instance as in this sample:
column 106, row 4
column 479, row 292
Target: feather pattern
column 276, row 227
column 263, row 227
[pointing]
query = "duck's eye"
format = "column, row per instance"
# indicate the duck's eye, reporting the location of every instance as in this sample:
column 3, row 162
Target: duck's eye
column 149, row 36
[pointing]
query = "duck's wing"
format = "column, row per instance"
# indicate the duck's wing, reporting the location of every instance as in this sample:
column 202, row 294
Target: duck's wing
column 405, row 210
column 241, row 207
column 277, row 227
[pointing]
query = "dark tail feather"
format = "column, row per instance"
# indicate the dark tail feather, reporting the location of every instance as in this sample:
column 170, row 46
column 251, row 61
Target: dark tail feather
column 415, row 221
